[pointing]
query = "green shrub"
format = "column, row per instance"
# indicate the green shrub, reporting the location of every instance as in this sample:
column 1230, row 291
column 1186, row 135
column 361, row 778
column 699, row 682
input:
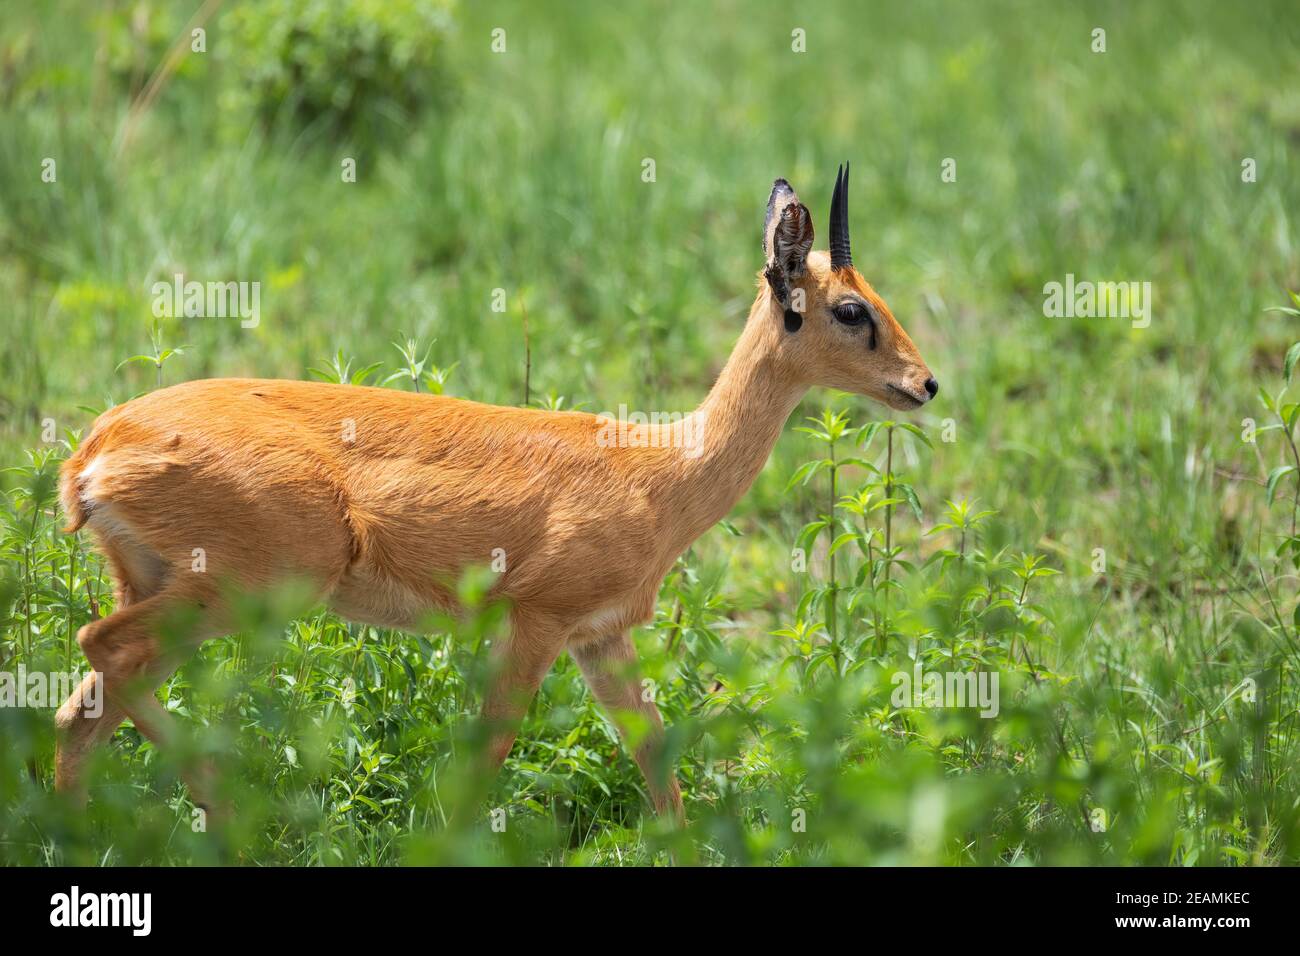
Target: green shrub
column 344, row 63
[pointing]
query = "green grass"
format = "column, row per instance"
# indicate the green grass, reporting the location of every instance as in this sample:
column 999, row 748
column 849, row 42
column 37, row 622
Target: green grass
column 1121, row 690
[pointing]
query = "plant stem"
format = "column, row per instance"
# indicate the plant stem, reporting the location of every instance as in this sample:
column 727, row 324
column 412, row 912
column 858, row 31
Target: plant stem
column 831, row 611
column 528, row 352
column 889, row 493
column 72, row 571
column 871, row 577
column 1295, row 501
column 889, row 528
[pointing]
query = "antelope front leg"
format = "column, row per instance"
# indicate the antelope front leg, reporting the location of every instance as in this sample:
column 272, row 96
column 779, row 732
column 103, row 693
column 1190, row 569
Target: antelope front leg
column 610, row 668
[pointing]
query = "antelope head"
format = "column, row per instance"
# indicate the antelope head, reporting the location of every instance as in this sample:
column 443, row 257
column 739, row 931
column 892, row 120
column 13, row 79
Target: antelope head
column 834, row 330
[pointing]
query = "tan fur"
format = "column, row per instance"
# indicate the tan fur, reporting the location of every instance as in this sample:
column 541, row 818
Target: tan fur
column 259, row 475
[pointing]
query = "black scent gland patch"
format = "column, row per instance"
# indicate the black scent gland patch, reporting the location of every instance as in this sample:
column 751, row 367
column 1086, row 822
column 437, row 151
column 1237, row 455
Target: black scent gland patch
column 793, row 320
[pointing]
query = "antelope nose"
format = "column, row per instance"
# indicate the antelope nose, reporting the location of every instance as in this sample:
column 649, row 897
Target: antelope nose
column 932, row 387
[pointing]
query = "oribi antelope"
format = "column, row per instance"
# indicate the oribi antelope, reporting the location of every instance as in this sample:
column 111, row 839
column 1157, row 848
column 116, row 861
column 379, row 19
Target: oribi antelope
column 379, row 498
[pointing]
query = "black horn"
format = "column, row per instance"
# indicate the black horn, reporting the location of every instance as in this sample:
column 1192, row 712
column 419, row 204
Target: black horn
column 841, row 258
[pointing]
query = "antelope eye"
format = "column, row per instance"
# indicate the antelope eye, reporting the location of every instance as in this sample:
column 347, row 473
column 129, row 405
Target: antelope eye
column 855, row 315
column 851, row 313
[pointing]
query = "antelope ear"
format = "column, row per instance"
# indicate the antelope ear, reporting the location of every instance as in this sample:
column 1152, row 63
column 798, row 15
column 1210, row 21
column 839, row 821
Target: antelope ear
column 787, row 238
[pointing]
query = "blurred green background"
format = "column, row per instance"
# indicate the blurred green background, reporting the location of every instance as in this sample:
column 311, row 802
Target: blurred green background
column 522, row 170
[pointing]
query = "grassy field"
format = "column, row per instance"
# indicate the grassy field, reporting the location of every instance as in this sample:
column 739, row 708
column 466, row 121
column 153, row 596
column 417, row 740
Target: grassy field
column 1095, row 519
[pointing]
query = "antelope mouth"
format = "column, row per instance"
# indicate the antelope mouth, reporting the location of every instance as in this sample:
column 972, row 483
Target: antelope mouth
column 906, row 400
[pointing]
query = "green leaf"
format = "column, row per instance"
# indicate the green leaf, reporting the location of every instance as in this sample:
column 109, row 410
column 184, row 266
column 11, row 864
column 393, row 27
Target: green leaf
column 806, row 472
column 1276, row 475
column 859, row 462
column 805, row 602
column 845, row 539
column 908, row 427
column 866, row 434
column 137, row 358
column 359, row 377
column 809, row 533
column 910, row 494
column 1288, row 365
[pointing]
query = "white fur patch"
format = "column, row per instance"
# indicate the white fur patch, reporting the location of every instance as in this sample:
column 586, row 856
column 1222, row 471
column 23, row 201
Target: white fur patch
column 604, row 622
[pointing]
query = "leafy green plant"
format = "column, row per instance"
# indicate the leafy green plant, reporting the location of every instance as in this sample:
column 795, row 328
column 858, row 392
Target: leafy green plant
column 1287, row 414
column 420, row 370
column 158, row 355
column 338, row 370
column 342, row 63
